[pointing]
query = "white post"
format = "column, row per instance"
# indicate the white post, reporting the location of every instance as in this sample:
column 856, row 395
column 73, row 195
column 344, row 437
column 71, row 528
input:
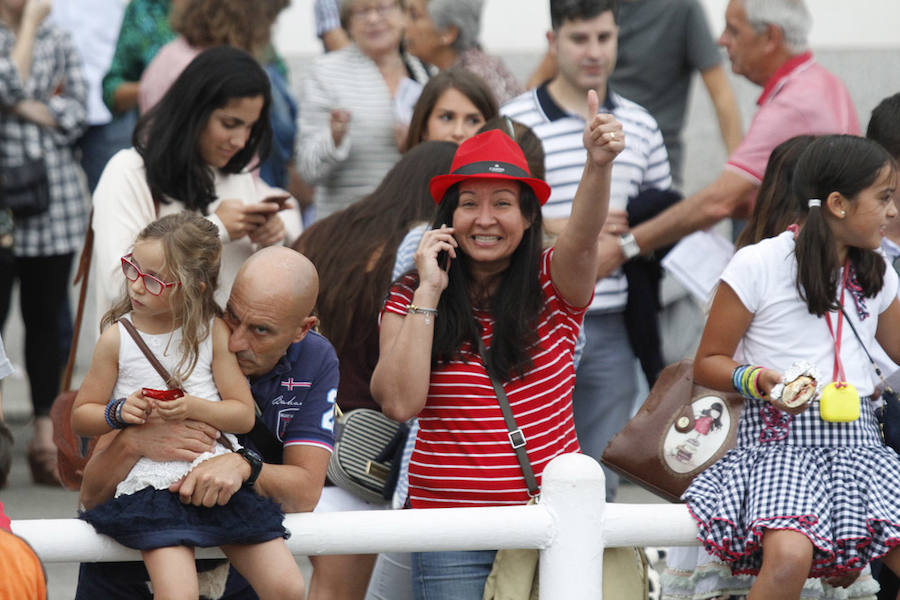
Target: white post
column 574, row 491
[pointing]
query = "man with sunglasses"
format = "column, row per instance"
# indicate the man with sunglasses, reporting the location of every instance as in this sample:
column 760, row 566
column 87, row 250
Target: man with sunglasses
column 293, row 375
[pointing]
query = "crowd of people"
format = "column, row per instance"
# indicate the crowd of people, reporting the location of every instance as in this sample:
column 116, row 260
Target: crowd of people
column 417, row 233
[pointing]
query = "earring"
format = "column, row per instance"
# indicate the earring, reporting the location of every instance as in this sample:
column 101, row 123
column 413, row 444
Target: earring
column 843, row 213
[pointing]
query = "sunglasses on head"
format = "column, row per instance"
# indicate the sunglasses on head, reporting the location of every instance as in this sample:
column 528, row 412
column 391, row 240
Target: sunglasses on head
column 153, row 285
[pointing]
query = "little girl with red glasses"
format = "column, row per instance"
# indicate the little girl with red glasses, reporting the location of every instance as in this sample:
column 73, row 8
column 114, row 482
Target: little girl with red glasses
column 170, row 278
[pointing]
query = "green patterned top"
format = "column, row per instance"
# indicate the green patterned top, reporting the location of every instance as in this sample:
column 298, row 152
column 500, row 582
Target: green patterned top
column 145, row 29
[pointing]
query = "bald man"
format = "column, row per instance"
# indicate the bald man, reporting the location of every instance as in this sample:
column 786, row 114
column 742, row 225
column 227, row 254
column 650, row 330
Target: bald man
column 293, row 374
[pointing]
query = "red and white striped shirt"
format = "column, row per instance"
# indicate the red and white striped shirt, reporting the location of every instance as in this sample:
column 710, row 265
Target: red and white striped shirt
column 463, row 456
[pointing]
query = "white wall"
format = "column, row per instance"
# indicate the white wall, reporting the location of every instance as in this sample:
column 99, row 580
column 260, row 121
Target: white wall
column 519, row 25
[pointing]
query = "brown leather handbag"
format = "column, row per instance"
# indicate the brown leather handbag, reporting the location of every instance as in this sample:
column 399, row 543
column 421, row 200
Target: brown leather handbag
column 681, row 429
column 73, row 451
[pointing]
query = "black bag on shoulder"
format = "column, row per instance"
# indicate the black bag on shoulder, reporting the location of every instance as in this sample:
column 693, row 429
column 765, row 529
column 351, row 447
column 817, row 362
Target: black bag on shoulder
column 25, row 188
column 889, row 417
column 889, row 414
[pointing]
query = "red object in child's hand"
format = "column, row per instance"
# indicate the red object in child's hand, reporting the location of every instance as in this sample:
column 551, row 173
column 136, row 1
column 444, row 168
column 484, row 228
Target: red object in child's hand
column 162, row 394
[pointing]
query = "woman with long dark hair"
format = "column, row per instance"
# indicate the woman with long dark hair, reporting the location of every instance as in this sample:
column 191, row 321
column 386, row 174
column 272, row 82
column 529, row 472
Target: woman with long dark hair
column 483, row 276
column 776, row 207
column 191, row 152
column 353, row 251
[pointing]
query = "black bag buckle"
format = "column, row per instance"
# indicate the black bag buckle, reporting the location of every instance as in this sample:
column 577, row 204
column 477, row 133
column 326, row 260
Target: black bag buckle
column 516, row 438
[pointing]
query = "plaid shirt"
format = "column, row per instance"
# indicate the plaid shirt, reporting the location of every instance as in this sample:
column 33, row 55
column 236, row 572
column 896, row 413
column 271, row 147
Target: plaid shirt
column 56, row 79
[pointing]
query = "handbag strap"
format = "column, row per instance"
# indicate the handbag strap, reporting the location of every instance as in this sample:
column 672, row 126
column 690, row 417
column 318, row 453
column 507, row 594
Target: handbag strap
column 167, row 377
column 516, row 437
column 866, row 350
column 84, row 267
column 271, row 449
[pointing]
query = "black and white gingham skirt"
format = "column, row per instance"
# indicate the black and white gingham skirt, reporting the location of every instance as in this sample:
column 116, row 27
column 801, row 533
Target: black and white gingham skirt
column 834, row 482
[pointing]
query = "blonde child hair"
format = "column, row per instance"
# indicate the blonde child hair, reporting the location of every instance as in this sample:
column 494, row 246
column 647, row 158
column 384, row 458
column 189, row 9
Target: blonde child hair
column 193, row 252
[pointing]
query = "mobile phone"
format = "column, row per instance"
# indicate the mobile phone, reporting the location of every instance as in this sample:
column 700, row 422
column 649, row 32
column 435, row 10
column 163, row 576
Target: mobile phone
column 443, row 259
column 280, row 200
column 164, row 395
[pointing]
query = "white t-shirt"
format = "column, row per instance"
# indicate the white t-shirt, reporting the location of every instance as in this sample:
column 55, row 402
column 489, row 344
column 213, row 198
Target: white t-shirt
column 783, row 331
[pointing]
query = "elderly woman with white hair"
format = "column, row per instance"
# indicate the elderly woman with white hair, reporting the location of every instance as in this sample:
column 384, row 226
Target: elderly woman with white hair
column 444, row 33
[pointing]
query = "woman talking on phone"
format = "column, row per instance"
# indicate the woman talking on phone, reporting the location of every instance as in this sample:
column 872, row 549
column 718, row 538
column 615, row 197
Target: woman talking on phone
column 192, row 152
column 525, row 304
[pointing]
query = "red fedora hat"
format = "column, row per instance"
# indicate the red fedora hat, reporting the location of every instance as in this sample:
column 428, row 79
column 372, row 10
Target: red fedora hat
column 489, row 155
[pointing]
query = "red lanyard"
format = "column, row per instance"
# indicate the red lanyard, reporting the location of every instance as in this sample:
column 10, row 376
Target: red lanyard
column 838, row 374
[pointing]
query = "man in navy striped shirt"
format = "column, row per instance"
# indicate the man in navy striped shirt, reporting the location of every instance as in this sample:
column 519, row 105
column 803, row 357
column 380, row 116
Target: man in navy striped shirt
column 584, row 43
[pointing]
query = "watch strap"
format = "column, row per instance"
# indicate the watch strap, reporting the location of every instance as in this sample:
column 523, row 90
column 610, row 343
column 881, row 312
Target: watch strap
column 255, row 462
column 629, row 245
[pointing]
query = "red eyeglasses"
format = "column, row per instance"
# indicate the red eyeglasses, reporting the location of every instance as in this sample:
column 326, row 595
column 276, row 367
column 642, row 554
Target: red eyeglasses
column 153, row 285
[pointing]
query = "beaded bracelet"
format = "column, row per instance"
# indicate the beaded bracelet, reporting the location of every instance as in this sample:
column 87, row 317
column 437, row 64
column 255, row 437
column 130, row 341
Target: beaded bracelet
column 745, row 379
column 113, row 413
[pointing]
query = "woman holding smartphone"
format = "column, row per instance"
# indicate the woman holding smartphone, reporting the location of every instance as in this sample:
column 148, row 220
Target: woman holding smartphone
column 191, row 152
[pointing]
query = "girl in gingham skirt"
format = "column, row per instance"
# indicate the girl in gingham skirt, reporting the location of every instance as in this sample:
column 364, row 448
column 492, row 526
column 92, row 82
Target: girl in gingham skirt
column 810, row 490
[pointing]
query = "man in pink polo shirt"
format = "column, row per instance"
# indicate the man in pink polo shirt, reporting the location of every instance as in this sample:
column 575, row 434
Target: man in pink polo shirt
column 767, row 43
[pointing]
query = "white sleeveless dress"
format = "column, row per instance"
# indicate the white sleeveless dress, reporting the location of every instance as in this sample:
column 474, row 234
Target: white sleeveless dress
column 136, row 372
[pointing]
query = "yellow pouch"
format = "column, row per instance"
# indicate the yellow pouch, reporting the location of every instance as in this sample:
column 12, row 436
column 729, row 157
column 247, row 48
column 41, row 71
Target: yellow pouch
column 839, row 404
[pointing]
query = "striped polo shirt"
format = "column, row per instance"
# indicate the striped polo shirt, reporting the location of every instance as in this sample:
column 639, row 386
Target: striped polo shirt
column 643, row 164
column 463, row 456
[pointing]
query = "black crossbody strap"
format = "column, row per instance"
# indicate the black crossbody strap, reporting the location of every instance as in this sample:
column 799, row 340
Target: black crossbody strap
column 265, row 441
column 516, row 437
column 866, row 350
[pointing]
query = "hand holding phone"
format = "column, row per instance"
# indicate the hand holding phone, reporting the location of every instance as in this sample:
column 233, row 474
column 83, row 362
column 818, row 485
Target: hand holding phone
column 163, row 395
column 443, row 260
column 279, row 199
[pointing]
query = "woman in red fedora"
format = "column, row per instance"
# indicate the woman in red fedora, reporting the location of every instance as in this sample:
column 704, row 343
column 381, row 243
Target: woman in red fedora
column 482, row 275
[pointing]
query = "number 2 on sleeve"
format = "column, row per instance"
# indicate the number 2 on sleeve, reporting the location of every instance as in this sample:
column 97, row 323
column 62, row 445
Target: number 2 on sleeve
column 328, row 415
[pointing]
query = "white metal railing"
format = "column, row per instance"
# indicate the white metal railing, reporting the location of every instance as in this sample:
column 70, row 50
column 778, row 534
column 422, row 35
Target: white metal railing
column 570, row 526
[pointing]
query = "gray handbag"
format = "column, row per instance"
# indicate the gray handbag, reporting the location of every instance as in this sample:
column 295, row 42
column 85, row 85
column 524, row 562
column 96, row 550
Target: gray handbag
column 366, row 448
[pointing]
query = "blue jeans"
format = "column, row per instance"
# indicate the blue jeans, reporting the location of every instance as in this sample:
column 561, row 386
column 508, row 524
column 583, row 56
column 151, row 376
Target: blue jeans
column 451, row 575
column 605, row 387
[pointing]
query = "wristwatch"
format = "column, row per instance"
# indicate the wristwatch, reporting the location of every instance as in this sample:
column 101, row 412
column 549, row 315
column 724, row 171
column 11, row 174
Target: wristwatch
column 629, row 246
column 255, row 461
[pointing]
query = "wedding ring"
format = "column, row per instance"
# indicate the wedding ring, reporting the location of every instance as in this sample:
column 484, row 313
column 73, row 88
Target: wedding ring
column 612, row 136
